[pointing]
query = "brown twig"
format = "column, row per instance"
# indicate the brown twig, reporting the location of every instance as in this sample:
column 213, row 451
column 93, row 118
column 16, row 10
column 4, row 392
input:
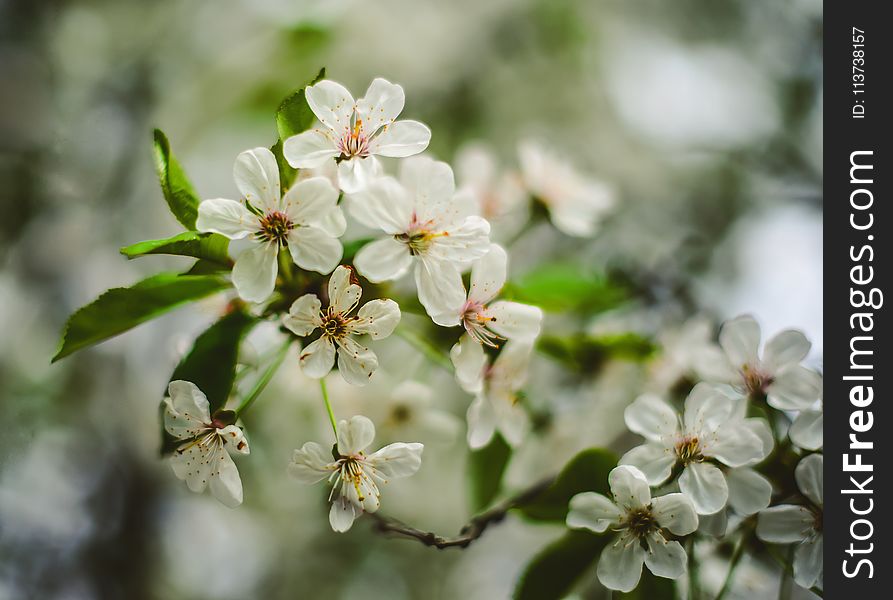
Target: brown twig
column 471, row 531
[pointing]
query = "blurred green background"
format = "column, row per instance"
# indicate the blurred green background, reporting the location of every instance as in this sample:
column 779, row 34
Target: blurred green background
column 706, row 116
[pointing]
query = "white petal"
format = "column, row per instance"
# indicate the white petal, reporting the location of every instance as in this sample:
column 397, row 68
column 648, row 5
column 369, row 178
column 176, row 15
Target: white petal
column 303, row 316
column 310, row 149
column 579, row 213
column 810, row 477
column 760, row 428
column 355, row 435
column 383, row 260
column 749, row 492
column 788, row 347
column 378, row 318
column 481, row 422
column 651, row 417
column 513, row 320
column 807, row 430
column 706, row 486
column 488, row 275
column 383, row 204
column 511, row 418
column 194, row 462
column 511, row 367
column 343, row 295
column 675, row 512
column 794, row 388
column 342, row 514
column 381, row 104
column 785, row 524
column 655, row 460
column 430, row 185
column 740, row 338
column 257, row 177
column 318, row 358
column 311, row 464
column 332, row 104
column 356, row 363
column 356, row 173
column 397, row 460
column 715, row 525
column 469, row 361
column 592, row 511
column 809, row 562
column 665, row 559
column 314, row 250
column 187, row 410
column 309, row 201
column 439, row 285
column 706, row 408
column 333, row 222
column 226, row 217
column 733, row 444
column 629, row 487
column 225, row 483
column 464, row 243
column 401, row 139
column 254, row 273
column 233, row 439
column 620, row 565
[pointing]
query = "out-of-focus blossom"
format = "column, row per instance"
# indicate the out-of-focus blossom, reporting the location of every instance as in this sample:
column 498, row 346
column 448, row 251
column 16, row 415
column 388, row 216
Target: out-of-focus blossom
column 354, row 474
column 801, row 525
column 355, row 131
column 687, row 350
column 356, row 363
column 427, row 225
column 639, row 520
column 306, row 220
column 203, row 460
column 708, row 431
column 500, row 195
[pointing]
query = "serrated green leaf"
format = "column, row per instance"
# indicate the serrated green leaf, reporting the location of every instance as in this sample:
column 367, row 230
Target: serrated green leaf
column 211, row 247
column 563, row 287
column 485, row 469
column 552, row 573
column 586, row 354
column 294, row 115
column 287, row 173
column 178, row 191
column 586, row 472
column 120, row 309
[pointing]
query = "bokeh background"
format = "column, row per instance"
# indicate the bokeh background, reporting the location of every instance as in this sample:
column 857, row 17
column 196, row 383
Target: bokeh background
column 705, row 116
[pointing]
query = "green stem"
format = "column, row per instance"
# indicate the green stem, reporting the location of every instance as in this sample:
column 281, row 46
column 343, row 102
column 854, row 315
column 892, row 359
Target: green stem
column 421, row 344
column 286, row 268
column 785, row 587
column 264, row 378
column 325, row 398
column 737, row 553
column 694, row 592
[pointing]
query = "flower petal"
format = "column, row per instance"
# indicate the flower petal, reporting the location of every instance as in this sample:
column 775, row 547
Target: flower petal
column 513, row 320
column 401, row 139
column 785, row 348
column 381, row 104
column 356, row 363
column 333, row 222
column 397, row 460
column 810, row 477
column 655, row 460
column 706, row 408
column 794, row 388
column 807, row 430
column 254, row 273
column 225, row 483
column 469, row 361
column 511, row 418
column 187, row 410
column 309, row 201
column 332, row 104
column 313, row 249
column 310, row 149
column 303, row 315
column 342, row 514
column 356, row 173
column 257, row 177
column 734, row 445
column 226, row 217
column 383, row 204
column 620, row 565
column 785, row 524
column 318, row 358
column 592, row 511
column 676, row 512
column 706, row 486
column 481, row 422
column 343, row 295
column 439, row 285
column 511, row 367
column 809, row 562
column 311, row 464
column 464, row 243
column 665, row 559
column 430, row 185
column 749, row 492
column 629, row 487
column 378, row 318
column 383, row 260
column 651, row 417
column 193, row 463
column 740, row 338
column 233, row 439
column 355, row 435
column 488, row 275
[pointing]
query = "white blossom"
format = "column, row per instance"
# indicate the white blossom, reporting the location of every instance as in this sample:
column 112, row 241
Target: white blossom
column 306, row 220
column 500, row 195
column 709, row 433
column 801, row 525
column 807, row 430
column 353, row 132
column 428, row 227
column 338, row 327
column 203, row 459
column 354, row 475
column 640, row 521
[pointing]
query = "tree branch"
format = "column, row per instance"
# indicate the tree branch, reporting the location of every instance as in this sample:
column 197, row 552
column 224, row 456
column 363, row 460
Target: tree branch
column 471, row 531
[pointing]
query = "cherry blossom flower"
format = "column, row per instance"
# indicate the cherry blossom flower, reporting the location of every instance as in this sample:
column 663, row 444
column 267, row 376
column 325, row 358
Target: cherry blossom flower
column 306, row 220
column 486, row 323
column 496, row 404
column 777, row 375
column 338, row 327
column 203, row 459
column 807, row 430
column 801, row 525
column 708, row 432
column 500, row 195
column 428, row 227
column 354, row 475
column 576, row 204
column 641, row 522
column 355, row 131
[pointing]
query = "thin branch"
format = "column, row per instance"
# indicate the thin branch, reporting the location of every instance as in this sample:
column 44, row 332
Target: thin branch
column 471, row 531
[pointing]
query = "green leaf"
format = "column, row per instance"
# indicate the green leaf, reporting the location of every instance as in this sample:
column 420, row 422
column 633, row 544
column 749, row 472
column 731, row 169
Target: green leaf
column 120, row 309
column 552, row 573
column 178, row 192
column 294, row 115
column 586, row 354
column 287, row 173
column 212, row 247
column 651, row 587
column 563, row 287
column 211, row 364
column 485, row 469
column 586, row 472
